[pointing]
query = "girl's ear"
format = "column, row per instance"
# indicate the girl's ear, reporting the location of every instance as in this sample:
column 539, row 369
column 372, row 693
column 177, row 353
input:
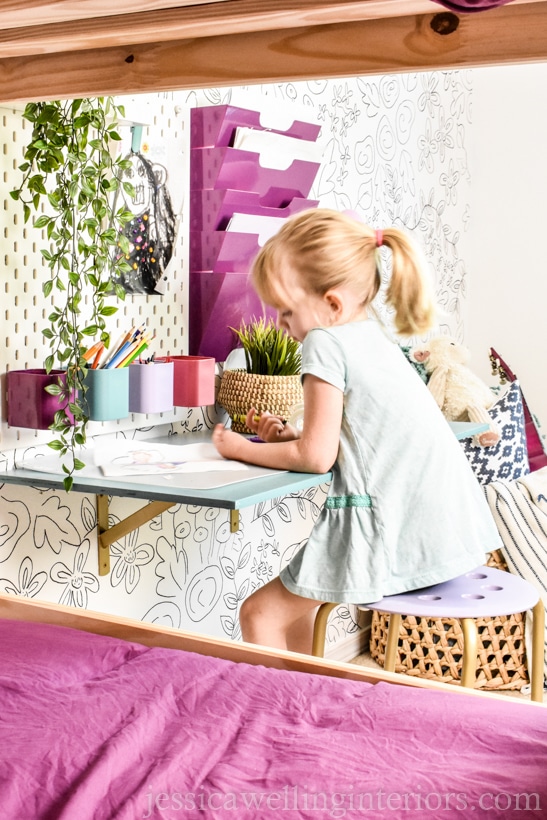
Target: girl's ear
column 335, row 303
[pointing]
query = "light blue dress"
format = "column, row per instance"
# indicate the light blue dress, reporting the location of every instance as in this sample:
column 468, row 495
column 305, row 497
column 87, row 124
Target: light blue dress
column 404, row 508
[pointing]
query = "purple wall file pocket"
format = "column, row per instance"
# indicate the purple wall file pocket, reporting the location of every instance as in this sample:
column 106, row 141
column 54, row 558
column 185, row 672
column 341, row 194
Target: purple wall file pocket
column 222, row 251
column 211, row 210
column 151, row 387
column 29, row 405
column 241, row 170
column 215, row 125
column 268, row 176
column 220, row 300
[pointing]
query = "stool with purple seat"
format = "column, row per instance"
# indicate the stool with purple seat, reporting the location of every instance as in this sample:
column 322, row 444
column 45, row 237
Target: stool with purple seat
column 484, row 592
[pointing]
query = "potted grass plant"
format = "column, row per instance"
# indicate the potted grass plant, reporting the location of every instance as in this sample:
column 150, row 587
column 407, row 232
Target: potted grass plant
column 271, row 377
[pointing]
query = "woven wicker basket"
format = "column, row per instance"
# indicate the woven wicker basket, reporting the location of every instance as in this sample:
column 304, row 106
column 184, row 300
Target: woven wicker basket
column 239, row 391
column 432, row 648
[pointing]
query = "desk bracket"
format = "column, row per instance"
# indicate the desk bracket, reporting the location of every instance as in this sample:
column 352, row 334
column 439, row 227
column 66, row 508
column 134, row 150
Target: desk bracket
column 107, row 535
column 234, row 520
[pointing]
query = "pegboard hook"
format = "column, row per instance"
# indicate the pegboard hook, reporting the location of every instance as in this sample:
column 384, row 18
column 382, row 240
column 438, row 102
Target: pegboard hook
column 136, row 137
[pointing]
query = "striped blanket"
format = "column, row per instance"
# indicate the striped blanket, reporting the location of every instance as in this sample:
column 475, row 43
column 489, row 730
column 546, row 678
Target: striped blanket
column 520, row 512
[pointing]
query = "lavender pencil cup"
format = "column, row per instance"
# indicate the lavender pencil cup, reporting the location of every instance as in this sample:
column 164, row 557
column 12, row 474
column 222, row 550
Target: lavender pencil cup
column 151, row 386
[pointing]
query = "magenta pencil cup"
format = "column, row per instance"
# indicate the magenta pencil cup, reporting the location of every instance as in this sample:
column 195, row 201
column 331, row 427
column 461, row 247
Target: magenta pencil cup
column 194, row 381
column 29, row 405
column 151, row 386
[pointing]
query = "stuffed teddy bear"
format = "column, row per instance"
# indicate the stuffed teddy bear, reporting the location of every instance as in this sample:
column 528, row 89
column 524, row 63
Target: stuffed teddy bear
column 460, row 394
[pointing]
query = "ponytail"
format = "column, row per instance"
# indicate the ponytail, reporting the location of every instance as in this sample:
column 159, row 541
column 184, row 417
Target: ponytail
column 408, row 291
column 327, row 249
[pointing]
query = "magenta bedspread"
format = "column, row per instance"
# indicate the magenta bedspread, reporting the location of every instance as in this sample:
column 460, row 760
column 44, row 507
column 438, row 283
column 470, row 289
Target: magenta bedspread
column 94, row 728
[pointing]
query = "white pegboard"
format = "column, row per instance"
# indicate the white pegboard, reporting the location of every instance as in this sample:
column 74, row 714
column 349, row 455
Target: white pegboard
column 23, row 308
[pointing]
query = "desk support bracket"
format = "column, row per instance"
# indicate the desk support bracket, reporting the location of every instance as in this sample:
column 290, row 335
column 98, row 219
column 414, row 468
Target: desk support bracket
column 107, row 535
column 234, row 520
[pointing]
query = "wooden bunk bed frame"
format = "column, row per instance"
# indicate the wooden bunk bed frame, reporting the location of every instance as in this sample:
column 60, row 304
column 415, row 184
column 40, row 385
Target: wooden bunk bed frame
column 51, row 49
column 74, row 48
column 21, row 609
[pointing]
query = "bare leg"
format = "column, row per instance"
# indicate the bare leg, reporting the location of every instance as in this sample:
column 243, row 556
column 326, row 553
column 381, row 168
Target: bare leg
column 273, row 616
column 300, row 633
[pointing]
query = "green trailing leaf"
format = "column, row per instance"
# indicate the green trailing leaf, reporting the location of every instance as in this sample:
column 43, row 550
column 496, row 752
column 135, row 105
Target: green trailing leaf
column 54, row 389
column 56, row 444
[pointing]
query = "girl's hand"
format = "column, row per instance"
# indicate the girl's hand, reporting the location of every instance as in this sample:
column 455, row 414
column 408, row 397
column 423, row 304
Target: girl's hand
column 313, row 450
column 227, row 443
column 270, row 428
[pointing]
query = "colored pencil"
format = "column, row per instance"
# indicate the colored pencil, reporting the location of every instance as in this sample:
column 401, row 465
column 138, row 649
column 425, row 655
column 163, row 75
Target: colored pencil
column 127, row 361
column 89, row 354
column 98, row 357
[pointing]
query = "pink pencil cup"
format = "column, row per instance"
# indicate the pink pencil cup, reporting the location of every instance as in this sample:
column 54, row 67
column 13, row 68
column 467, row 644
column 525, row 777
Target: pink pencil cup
column 194, row 381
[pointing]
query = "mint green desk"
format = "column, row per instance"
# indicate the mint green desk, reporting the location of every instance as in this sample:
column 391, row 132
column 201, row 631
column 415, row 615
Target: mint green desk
column 467, row 429
column 165, row 491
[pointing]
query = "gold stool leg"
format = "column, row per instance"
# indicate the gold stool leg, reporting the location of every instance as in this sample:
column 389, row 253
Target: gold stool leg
column 538, row 651
column 320, row 629
column 392, row 641
column 470, row 649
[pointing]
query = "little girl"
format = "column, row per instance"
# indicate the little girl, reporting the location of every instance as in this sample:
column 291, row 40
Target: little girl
column 404, row 509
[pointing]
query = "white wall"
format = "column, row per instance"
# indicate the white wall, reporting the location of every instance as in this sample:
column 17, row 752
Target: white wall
column 507, row 296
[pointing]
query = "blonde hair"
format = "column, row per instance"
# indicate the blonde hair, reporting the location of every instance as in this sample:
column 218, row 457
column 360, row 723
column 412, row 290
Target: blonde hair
column 328, row 249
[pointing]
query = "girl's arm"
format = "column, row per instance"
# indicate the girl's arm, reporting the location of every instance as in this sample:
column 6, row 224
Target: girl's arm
column 316, row 448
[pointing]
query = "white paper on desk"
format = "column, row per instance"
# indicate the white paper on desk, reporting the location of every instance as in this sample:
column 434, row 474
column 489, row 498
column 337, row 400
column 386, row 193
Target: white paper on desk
column 126, row 458
column 263, row 226
column 276, row 150
column 53, row 463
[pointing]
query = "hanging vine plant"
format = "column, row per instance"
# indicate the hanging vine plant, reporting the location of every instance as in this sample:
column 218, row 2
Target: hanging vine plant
column 70, row 177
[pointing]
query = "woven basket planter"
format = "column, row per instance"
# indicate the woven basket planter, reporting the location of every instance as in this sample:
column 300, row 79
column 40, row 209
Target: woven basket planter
column 432, row 647
column 239, row 391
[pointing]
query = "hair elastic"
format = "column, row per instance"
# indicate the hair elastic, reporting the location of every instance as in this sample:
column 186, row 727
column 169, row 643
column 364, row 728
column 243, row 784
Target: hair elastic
column 379, row 238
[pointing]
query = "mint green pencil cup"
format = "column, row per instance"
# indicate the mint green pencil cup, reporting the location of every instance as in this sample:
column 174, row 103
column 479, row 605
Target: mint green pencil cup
column 107, row 394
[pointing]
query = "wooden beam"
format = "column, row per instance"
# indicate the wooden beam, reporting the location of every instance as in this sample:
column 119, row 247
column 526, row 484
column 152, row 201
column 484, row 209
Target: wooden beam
column 510, row 34
column 31, row 611
column 20, row 13
column 184, row 22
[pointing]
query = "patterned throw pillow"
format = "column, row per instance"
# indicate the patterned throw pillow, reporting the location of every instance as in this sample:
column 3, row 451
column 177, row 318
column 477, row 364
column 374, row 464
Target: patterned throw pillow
column 508, row 459
column 535, row 441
